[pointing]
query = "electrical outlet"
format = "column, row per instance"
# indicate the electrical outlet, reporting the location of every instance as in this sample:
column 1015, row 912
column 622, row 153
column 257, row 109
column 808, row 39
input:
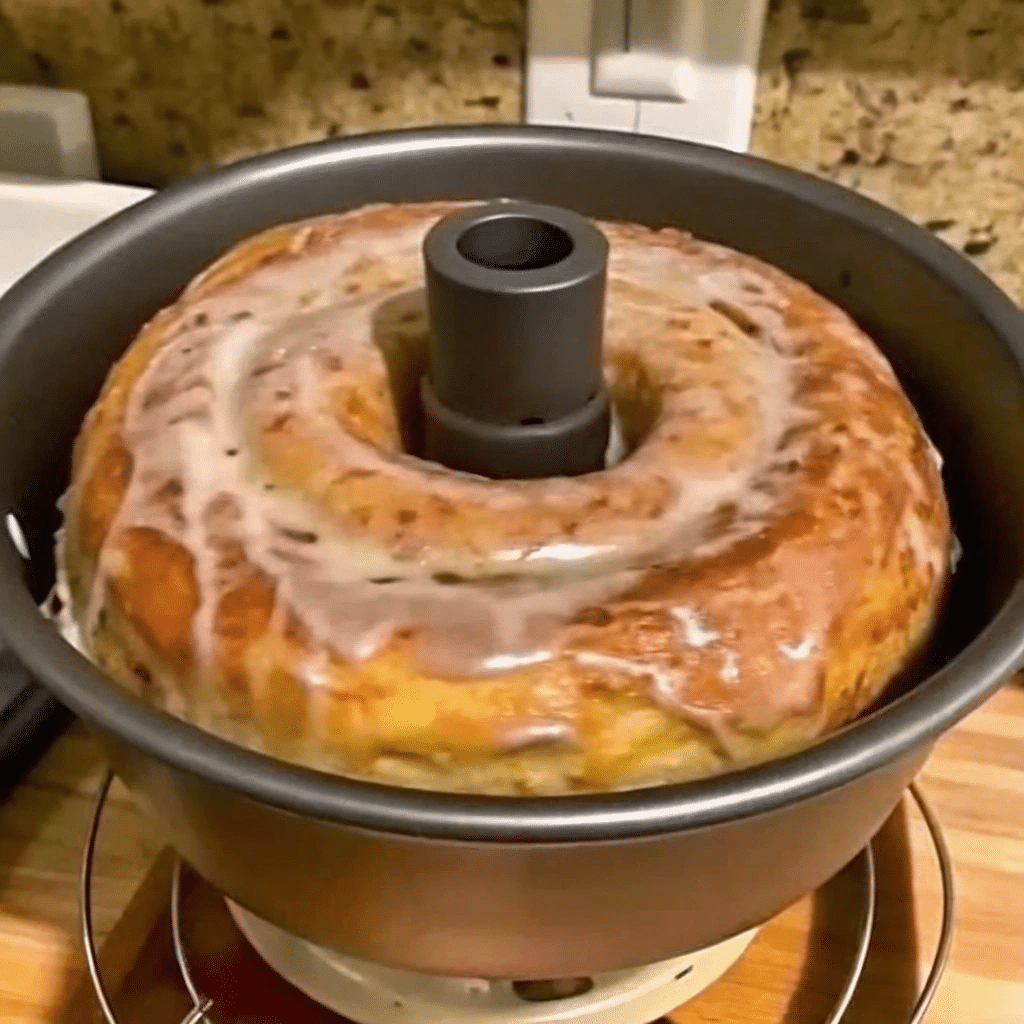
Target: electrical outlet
column 685, row 69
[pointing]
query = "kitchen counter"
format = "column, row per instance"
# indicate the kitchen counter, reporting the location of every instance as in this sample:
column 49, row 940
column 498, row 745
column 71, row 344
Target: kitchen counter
column 43, row 823
column 975, row 781
column 918, row 103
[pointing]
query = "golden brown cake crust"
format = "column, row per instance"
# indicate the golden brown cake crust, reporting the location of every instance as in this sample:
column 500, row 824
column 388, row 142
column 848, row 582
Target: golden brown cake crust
column 248, row 545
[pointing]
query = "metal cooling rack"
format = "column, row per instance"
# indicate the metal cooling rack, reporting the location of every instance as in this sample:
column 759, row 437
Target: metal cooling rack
column 201, row 1006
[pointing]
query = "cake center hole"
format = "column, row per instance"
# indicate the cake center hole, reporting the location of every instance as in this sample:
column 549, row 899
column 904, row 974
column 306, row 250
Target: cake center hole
column 515, row 242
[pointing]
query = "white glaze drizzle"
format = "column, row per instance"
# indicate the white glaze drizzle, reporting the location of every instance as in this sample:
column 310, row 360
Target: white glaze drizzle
column 798, row 652
column 730, row 668
column 695, row 632
column 187, row 419
column 192, row 418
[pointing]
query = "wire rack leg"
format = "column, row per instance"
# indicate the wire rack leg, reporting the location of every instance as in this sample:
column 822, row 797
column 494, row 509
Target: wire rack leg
column 867, row 924
column 945, row 940
column 85, row 905
column 197, row 1015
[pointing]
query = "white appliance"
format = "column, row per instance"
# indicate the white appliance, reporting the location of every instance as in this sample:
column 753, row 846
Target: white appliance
column 47, row 131
column 38, row 215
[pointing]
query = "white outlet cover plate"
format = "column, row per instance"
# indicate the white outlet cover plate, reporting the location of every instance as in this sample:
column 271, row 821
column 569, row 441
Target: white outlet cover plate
column 721, row 72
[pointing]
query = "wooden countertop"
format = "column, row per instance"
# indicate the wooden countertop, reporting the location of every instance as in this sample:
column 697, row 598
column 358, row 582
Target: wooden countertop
column 975, row 781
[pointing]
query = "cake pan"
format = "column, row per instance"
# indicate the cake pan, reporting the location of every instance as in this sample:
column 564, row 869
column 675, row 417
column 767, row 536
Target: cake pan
column 505, row 887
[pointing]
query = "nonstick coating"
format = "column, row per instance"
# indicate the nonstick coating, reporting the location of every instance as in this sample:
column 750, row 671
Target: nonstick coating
column 371, row 869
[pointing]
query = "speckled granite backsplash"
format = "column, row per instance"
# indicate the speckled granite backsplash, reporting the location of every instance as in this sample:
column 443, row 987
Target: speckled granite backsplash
column 919, row 103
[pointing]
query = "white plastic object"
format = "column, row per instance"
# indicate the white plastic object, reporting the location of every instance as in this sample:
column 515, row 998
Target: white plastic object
column 641, row 48
column 38, row 215
column 373, row 994
column 684, row 69
column 47, row 132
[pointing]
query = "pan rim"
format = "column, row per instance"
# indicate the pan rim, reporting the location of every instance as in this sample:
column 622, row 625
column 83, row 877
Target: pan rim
column 913, row 721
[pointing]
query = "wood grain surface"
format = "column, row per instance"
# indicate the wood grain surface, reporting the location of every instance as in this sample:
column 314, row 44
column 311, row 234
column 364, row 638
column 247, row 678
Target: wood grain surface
column 975, row 781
